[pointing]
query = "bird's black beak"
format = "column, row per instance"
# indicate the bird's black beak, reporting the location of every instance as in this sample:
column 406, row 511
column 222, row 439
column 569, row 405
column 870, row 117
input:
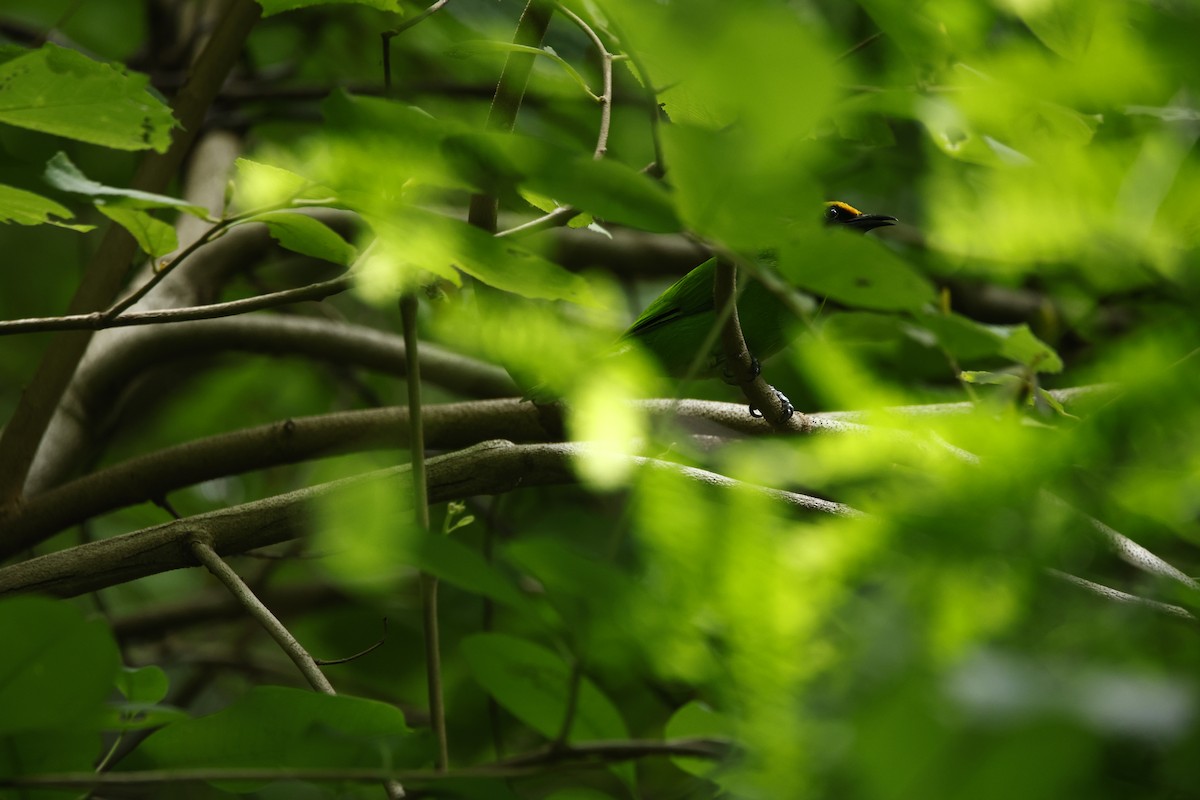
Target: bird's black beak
column 867, row 222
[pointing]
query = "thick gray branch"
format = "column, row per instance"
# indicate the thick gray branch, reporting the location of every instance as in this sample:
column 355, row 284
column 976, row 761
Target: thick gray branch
column 490, row 468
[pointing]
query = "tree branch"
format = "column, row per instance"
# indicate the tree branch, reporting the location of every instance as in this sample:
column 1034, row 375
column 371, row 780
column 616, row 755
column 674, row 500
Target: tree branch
column 102, row 279
column 101, row 320
column 489, row 468
column 599, row 752
column 282, row 636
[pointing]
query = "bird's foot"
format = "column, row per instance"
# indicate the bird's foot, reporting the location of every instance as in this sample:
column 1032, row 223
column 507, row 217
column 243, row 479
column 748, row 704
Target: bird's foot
column 785, row 405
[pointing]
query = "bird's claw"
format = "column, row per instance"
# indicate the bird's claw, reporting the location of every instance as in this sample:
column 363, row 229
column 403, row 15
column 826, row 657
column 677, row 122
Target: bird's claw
column 785, row 406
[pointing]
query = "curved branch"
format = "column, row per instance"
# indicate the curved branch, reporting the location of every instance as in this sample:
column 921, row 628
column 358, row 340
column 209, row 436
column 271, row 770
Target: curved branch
column 102, row 381
column 448, row 426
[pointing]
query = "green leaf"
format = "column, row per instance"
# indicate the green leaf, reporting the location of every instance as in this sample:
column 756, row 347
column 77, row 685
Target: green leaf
column 852, row 270
column 289, row 729
column 987, row 378
column 145, row 685
column 372, row 546
column 56, row 667
column 271, row 7
column 532, row 683
column 1019, row 344
column 605, row 188
column 40, row 752
column 27, row 208
column 139, row 716
column 963, row 338
column 376, row 146
column 697, row 720
column 62, row 92
column 62, row 174
column 421, row 239
column 153, row 235
column 303, row 234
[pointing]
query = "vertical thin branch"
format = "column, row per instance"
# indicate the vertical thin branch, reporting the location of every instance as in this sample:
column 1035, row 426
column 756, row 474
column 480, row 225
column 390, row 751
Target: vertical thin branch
column 429, row 585
column 574, row 680
column 23, row 434
column 387, row 37
column 606, row 96
column 510, row 90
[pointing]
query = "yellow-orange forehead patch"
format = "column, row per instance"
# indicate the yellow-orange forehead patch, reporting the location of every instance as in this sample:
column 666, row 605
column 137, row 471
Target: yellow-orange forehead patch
column 843, row 206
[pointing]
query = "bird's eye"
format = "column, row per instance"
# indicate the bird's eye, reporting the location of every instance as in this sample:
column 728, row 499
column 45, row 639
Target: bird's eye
column 832, row 213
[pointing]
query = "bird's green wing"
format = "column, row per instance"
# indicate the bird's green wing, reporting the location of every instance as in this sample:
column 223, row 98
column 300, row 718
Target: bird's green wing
column 691, row 294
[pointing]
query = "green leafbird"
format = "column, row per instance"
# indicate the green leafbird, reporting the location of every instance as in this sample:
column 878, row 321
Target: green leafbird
column 673, row 326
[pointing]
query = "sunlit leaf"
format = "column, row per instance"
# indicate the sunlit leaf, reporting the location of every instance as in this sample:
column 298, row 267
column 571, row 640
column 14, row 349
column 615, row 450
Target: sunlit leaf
column 63, row 92
column 415, row 239
column 27, row 208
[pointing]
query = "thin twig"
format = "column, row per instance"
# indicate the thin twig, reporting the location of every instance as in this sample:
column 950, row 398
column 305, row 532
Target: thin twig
column 1116, row 595
column 606, row 97
column 101, row 320
column 387, row 37
column 207, row 556
column 651, row 100
column 574, row 682
column 282, row 636
column 325, row 662
column 598, row 753
column 874, row 37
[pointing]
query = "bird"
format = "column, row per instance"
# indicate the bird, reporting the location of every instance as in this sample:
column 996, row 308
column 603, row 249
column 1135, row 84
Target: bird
column 673, row 326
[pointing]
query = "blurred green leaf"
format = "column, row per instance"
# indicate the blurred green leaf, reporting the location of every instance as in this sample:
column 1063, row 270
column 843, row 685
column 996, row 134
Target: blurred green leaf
column 64, row 93
column 142, row 685
column 695, row 719
column 271, row 7
column 413, row 238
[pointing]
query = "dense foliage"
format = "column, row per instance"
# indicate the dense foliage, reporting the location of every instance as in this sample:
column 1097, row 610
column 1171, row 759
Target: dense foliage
column 964, row 571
